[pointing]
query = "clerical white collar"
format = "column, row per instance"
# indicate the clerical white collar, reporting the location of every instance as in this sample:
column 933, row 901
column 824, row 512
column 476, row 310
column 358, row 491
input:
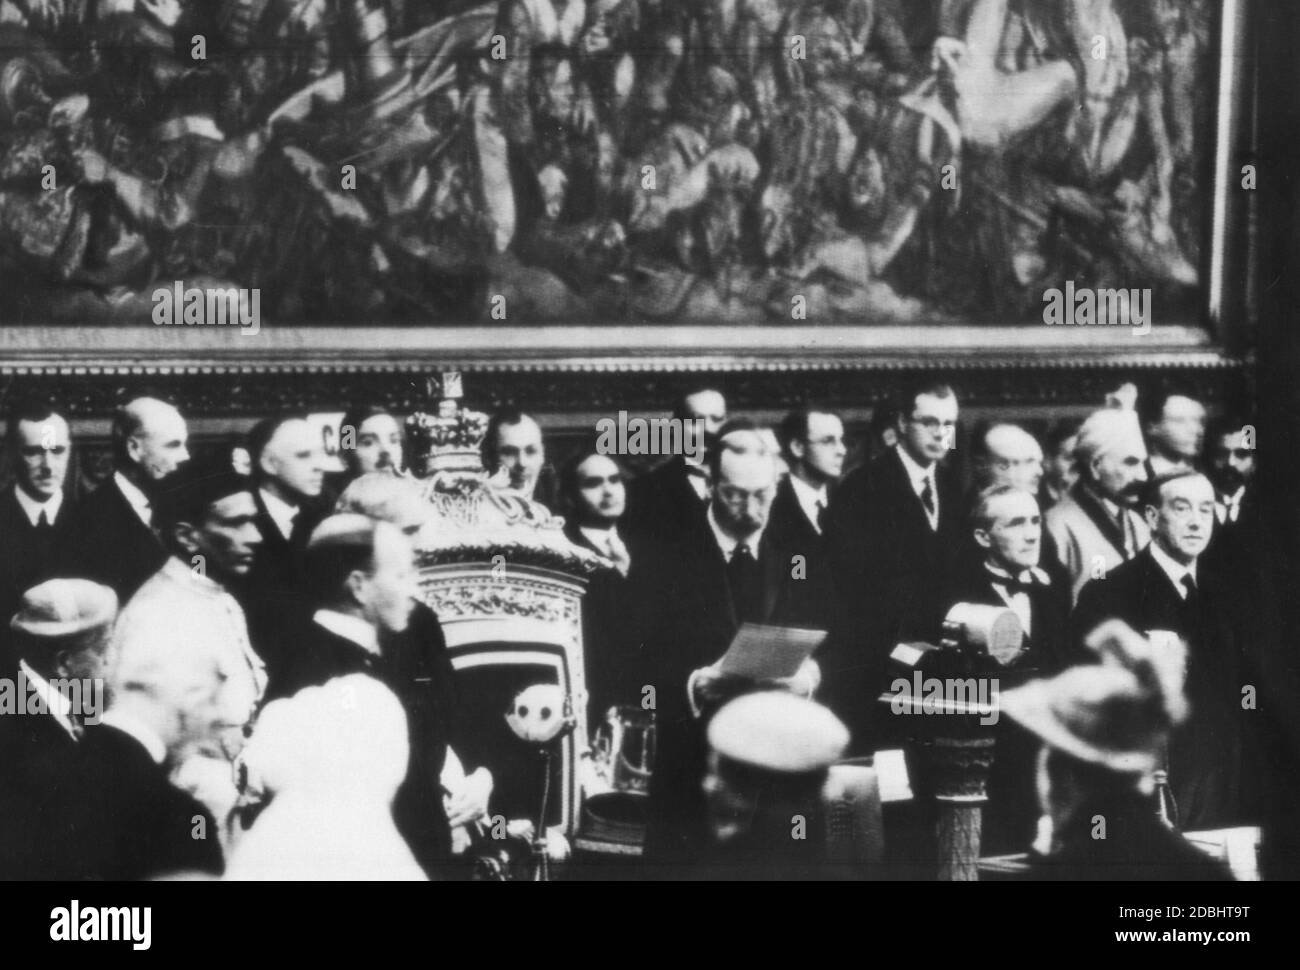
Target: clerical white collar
column 33, row 509
column 1173, row 568
column 57, row 703
column 810, row 498
column 280, row 511
column 727, row 543
column 135, row 497
column 348, row 627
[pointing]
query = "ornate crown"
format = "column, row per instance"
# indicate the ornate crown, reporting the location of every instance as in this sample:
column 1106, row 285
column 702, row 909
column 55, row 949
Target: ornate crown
column 450, row 440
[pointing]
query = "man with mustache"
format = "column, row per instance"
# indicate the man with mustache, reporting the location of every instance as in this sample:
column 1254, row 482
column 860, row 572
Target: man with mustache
column 112, row 537
column 34, row 512
column 1175, row 429
column 370, row 440
column 1168, row 590
column 670, row 501
column 1097, row 525
column 209, row 521
column 1231, row 467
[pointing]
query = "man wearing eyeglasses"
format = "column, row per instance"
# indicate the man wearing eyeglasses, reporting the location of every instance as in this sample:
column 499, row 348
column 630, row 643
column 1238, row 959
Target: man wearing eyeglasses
column 812, row 441
column 699, row 594
column 893, row 532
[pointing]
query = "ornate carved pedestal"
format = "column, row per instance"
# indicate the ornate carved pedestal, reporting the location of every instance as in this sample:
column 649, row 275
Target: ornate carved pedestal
column 949, row 754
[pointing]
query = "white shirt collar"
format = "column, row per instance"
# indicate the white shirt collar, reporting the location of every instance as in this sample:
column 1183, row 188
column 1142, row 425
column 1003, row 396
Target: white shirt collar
column 1173, row 569
column 349, row 628
column 33, row 509
column 726, row 543
column 810, row 499
column 137, row 499
column 919, row 477
column 128, row 723
column 1227, row 504
column 598, row 537
column 1034, row 574
column 56, row 703
column 280, row 511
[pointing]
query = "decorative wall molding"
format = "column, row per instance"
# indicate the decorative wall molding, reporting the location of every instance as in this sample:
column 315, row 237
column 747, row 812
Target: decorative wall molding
column 221, row 373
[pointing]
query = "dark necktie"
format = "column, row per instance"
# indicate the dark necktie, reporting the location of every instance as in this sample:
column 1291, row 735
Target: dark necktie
column 43, row 522
column 746, row 583
column 821, row 516
column 927, row 498
column 1189, row 585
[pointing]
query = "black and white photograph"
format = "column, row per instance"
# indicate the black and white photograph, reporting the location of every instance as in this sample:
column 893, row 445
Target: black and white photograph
column 649, row 440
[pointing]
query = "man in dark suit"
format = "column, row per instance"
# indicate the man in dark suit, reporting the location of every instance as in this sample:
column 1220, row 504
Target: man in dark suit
column 895, row 527
column 1168, row 589
column 812, row 440
column 34, row 512
column 289, row 473
column 670, row 500
column 363, row 576
column 702, row 591
column 1006, row 527
column 110, row 536
column 60, row 635
column 1007, row 454
column 127, row 820
column 594, row 500
column 421, row 666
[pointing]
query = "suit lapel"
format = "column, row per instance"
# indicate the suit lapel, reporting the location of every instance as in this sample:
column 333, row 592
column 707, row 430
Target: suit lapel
column 770, row 561
column 899, row 483
column 1093, row 509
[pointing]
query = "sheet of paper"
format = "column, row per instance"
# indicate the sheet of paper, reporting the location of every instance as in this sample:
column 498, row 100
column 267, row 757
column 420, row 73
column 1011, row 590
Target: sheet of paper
column 891, row 769
column 760, row 652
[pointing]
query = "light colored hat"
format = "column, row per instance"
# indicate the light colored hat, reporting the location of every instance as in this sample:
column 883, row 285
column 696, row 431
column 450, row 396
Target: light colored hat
column 777, row 731
column 1117, row 714
column 64, row 607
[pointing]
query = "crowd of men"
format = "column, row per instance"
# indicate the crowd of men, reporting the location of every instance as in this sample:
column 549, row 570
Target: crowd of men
column 280, row 703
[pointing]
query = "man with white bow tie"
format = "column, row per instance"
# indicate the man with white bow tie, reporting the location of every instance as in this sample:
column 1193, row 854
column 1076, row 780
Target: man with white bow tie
column 1007, row 528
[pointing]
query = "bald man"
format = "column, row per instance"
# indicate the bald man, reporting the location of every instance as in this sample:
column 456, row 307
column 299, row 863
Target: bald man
column 701, row 592
column 112, row 535
column 1009, row 455
column 1097, row 526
